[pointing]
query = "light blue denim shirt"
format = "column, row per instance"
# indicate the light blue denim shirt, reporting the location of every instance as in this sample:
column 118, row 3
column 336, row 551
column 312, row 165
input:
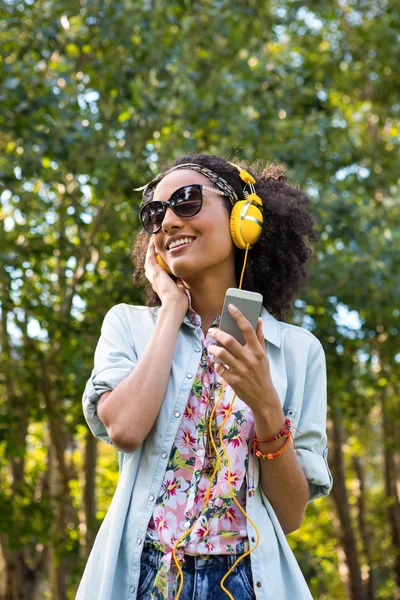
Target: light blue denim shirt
column 298, row 371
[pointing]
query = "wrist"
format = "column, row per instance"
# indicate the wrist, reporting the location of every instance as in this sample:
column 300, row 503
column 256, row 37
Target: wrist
column 169, row 321
column 269, row 422
column 174, row 308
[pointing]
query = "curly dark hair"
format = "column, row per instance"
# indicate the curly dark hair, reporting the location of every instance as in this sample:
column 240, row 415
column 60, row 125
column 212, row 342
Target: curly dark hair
column 276, row 264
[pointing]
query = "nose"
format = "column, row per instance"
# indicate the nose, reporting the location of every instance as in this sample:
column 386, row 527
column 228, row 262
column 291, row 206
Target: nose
column 170, row 220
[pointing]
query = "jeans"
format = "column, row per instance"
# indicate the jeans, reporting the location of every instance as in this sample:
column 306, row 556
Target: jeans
column 201, row 576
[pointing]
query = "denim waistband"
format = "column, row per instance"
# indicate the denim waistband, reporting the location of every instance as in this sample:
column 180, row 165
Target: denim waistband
column 153, row 557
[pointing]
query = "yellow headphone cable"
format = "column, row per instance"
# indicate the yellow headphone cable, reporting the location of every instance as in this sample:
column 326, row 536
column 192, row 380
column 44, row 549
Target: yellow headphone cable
column 216, row 469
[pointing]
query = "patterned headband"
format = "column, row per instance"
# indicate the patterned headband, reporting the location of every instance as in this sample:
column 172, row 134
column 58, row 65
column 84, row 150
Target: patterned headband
column 219, row 181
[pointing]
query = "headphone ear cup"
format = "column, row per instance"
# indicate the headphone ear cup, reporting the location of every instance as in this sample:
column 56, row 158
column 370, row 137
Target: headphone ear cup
column 245, row 230
column 163, row 264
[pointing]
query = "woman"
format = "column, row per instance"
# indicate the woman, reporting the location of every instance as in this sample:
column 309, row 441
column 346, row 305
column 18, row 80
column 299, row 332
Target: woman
column 181, row 525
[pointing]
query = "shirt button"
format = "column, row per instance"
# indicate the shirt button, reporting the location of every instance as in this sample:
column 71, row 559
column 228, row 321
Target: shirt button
column 197, row 349
column 200, row 452
column 151, row 498
column 253, row 539
column 132, row 589
column 164, row 455
column 187, row 524
column 258, row 584
column 177, row 414
column 189, row 376
column 139, row 541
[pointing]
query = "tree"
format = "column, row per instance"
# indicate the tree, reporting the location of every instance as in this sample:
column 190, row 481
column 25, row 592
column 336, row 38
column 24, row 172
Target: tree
column 96, row 97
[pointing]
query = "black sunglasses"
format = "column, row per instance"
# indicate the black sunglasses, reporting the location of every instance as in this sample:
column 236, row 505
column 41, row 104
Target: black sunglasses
column 185, row 202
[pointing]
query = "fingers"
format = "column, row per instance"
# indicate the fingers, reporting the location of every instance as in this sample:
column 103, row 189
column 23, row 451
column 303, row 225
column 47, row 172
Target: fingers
column 244, row 324
column 251, row 336
column 151, row 258
column 150, row 249
column 260, row 332
column 254, row 339
column 151, row 261
column 232, row 345
column 222, row 354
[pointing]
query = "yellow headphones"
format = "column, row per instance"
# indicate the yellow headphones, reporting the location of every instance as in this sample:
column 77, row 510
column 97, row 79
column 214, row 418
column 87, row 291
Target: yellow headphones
column 163, row 264
column 246, row 218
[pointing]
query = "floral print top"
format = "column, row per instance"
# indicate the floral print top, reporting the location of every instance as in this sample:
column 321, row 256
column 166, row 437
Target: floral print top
column 219, row 527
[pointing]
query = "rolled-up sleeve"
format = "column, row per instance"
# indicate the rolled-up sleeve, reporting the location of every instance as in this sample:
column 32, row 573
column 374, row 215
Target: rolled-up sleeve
column 114, row 359
column 311, row 443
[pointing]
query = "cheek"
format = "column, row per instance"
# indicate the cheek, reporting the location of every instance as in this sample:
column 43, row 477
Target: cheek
column 218, row 223
column 213, row 226
column 221, row 237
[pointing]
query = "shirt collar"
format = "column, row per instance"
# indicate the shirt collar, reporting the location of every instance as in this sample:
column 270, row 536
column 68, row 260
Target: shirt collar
column 271, row 327
column 192, row 318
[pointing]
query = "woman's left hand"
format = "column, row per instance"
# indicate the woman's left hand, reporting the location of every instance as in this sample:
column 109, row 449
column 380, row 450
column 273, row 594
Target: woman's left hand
column 249, row 373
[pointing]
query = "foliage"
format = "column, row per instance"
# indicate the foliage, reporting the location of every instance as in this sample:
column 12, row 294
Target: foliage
column 95, row 97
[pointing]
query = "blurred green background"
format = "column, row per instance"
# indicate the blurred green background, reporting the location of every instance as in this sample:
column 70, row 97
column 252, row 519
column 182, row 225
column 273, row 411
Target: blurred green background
column 94, row 96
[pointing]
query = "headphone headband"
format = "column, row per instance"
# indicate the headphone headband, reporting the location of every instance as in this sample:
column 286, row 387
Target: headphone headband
column 244, row 175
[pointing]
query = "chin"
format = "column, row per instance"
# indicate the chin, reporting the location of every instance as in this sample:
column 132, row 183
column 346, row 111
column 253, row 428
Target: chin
column 183, row 272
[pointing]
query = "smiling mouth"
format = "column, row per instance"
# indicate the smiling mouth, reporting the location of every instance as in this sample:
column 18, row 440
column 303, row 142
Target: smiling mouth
column 180, row 246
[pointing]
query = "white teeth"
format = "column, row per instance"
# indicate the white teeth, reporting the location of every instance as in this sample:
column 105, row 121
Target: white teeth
column 179, row 242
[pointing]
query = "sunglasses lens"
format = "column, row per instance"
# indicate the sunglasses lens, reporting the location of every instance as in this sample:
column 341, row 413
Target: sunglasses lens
column 185, row 202
column 151, row 216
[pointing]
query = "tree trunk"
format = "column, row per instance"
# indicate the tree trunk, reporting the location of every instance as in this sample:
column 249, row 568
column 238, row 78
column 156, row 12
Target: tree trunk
column 57, row 563
column 370, row 584
column 391, row 454
column 340, row 498
column 19, row 580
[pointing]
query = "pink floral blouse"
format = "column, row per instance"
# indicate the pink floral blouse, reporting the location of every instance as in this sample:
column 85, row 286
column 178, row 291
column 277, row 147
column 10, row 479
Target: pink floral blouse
column 221, row 529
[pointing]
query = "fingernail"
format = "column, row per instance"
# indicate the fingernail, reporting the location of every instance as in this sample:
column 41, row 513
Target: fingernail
column 231, row 307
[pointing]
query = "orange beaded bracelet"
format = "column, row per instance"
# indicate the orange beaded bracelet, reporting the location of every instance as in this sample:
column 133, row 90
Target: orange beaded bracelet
column 270, row 456
column 285, row 432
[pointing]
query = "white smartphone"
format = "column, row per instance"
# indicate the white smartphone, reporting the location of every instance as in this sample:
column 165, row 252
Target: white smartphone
column 249, row 303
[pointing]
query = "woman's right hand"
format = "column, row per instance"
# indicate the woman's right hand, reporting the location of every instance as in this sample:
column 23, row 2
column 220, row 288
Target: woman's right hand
column 169, row 292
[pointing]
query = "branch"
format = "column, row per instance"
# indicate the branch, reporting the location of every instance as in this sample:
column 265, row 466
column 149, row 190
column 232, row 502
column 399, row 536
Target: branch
column 81, row 261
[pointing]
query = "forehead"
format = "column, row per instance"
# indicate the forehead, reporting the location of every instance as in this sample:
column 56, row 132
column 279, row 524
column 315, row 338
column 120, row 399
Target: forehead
column 177, row 179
